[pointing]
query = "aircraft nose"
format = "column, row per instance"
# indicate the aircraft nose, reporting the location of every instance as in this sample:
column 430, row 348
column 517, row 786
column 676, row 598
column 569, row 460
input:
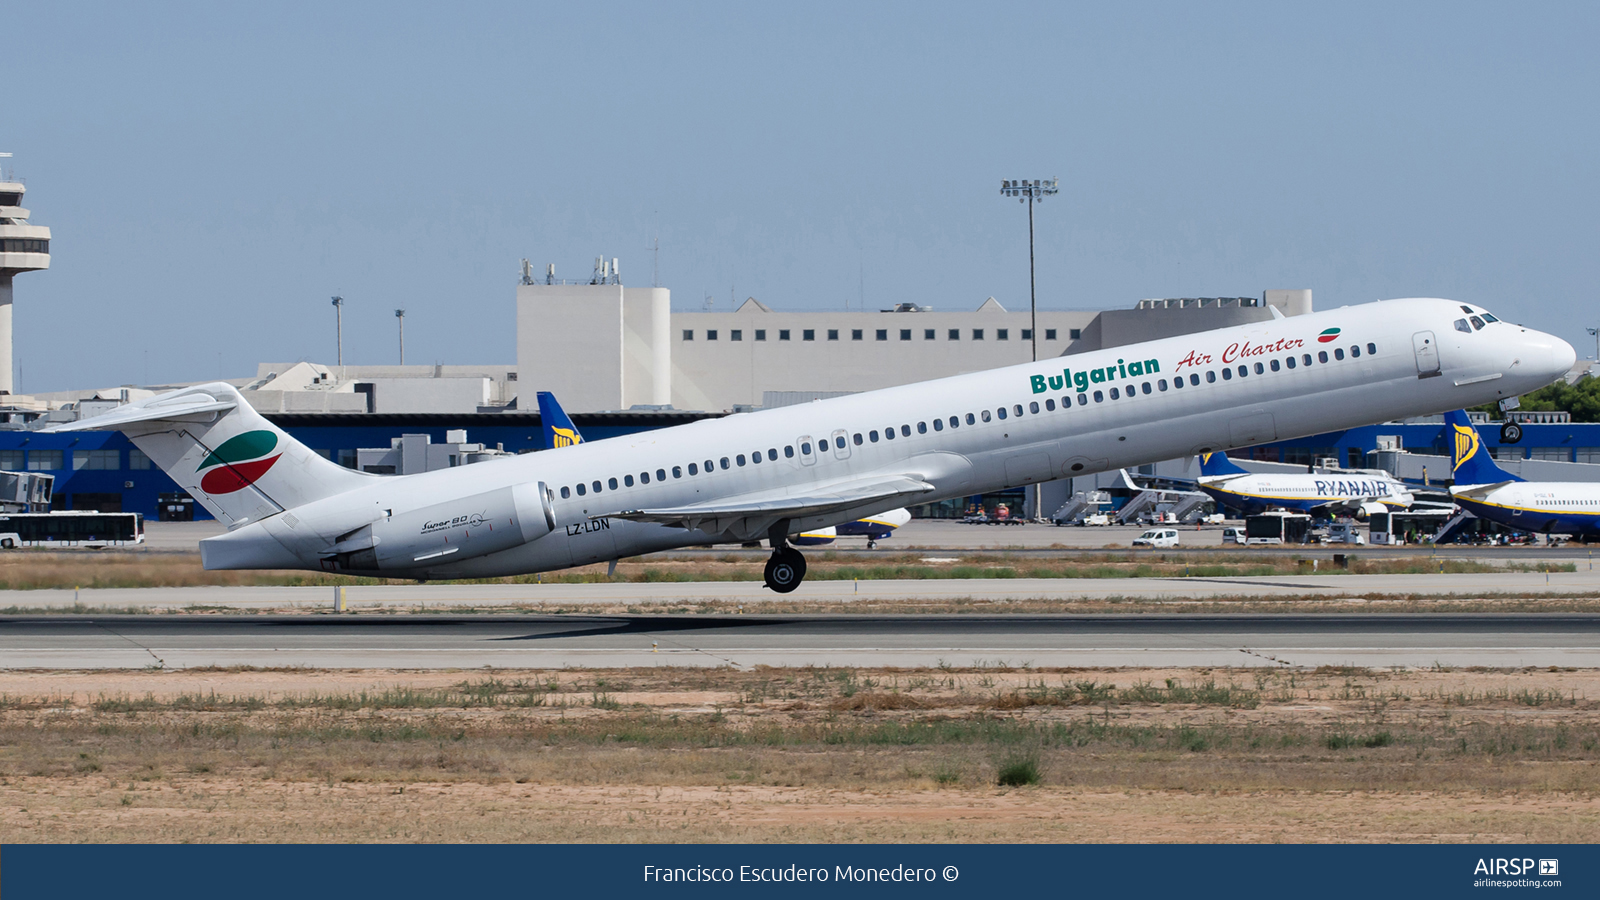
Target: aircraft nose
column 1562, row 356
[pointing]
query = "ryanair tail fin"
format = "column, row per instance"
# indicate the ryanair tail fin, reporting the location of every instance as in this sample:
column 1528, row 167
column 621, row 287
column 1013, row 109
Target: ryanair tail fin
column 1218, row 463
column 1472, row 463
column 210, row 440
column 558, row 428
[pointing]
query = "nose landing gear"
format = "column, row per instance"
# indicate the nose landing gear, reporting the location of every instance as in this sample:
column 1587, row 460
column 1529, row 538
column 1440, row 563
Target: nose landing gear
column 786, row 568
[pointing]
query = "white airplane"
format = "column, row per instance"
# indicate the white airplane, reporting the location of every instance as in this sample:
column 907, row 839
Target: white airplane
column 782, row 471
column 1490, row 492
column 1251, row 493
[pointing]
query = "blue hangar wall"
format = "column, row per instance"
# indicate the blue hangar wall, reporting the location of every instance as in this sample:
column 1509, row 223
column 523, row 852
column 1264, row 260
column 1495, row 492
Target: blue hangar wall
column 103, row 470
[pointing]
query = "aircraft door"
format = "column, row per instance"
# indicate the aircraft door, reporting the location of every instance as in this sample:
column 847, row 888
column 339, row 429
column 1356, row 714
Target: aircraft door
column 841, row 444
column 803, row 444
column 1427, row 350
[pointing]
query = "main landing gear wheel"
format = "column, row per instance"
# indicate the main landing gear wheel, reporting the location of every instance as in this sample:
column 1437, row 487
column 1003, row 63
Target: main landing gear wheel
column 786, row 568
column 1510, row 433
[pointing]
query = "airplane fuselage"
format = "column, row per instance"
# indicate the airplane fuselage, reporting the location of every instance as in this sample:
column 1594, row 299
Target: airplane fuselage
column 1324, row 494
column 1547, row 507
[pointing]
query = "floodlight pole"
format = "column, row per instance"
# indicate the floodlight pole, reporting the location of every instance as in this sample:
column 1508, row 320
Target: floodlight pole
column 1026, row 191
column 400, row 316
column 338, row 313
column 1596, row 333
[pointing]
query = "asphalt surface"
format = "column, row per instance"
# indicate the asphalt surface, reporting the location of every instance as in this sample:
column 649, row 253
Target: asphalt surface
column 440, row 641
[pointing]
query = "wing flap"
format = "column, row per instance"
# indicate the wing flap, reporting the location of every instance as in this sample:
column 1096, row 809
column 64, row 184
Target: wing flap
column 749, row 516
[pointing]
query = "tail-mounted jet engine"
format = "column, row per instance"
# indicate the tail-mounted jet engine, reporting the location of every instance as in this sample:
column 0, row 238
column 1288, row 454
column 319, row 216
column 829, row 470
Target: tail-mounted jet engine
column 446, row 532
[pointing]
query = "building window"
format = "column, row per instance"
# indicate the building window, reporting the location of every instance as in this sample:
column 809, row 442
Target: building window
column 977, row 334
column 833, row 334
column 883, row 334
column 905, row 334
column 95, row 459
column 1002, row 334
column 1074, row 333
column 855, row 334
column 1049, row 334
column 1559, row 454
column 688, row 334
column 44, row 460
column 137, row 459
column 1027, row 334
column 761, row 334
column 735, row 334
column 11, row 460
column 783, row 334
column 955, row 334
column 711, row 334
column 927, row 334
column 810, row 334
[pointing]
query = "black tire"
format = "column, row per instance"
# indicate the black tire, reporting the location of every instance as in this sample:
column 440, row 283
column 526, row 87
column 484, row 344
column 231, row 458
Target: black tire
column 785, row 570
column 1510, row 433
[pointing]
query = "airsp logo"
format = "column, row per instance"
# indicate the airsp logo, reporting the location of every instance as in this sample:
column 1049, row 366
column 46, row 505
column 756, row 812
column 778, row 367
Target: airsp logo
column 1549, row 867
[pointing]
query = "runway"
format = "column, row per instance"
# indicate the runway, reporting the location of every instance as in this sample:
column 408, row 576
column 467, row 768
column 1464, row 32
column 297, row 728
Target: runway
column 529, row 641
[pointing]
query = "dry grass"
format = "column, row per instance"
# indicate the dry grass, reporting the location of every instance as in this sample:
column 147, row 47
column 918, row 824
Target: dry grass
column 800, row 754
column 32, row 570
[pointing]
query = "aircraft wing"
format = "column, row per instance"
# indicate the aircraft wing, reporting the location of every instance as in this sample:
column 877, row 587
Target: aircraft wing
column 749, row 516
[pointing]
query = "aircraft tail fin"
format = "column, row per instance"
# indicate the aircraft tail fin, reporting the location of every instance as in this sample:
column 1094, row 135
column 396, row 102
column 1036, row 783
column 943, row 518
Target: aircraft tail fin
column 558, row 428
column 1218, row 463
column 1472, row 463
column 234, row 462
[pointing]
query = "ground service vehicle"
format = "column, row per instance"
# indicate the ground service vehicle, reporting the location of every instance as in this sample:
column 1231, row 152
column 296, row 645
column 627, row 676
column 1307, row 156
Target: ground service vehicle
column 71, row 528
column 1278, row 527
column 1157, row 537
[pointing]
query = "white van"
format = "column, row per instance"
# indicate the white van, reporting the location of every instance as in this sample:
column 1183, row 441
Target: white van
column 1157, row 537
column 1231, row 535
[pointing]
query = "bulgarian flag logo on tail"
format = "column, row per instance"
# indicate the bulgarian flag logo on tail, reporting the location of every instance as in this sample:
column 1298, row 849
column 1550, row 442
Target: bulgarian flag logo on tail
column 1329, row 336
column 238, row 462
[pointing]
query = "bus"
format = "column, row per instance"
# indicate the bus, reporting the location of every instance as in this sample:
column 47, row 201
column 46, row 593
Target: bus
column 1278, row 527
column 71, row 529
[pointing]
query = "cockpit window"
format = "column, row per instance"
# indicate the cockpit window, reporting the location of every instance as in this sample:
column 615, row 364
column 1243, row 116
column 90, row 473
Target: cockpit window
column 1461, row 325
column 1477, row 323
column 1489, row 318
column 1467, row 310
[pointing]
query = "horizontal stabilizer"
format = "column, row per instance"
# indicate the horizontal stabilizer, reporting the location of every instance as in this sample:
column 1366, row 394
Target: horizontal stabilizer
column 184, row 407
column 1479, row 491
column 752, row 514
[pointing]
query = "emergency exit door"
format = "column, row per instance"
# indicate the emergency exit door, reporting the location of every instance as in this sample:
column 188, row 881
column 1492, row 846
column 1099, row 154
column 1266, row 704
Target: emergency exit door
column 1427, row 350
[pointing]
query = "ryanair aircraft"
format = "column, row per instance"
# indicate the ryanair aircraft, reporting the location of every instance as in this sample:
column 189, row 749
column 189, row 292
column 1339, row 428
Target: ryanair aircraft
column 1329, row 495
column 1490, row 492
column 778, row 472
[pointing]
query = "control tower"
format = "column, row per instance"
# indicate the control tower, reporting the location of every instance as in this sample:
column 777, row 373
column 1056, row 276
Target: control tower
column 23, row 248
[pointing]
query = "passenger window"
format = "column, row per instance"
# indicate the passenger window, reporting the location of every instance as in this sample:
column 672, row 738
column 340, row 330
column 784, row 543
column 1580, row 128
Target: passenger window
column 1243, row 371
column 566, row 492
column 1211, row 377
column 1322, row 356
column 772, row 454
column 661, row 474
column 788, row 451
column 597, row 487
column 873, row 435
column 857, row 438
column 739, row 459
column 693, row 469
column 1034, row 407
column 1275, row 366
column 1050, row 405
column 1001, row 412
column 725, row 462
column 1372, row 349
column 905, row 431
column 1194, row 380
column 1146, row 387
column 985, row 415
column 922, row 428
column 1260, row 368
column 1338, row 353
column 938, row 424
column 611, row 483
column 839, row 442
column 710, row 467
column 1083, row 399
column 806, row 449
column 969, row 418
column 581, row 491
column 677, row 471
column 1115, row 395
column 1355, row 352
column 888, row 433
column 1305, row 358
column 1099, row 397
column 1227, row 374
column 1461, row 325
column 955, row 422
column 644, row 477
column 1017, row 410
column 626, row 480
column 756, row 457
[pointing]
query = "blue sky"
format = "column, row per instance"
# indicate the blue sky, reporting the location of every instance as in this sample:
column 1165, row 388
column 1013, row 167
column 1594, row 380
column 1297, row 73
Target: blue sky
column 214, row 172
